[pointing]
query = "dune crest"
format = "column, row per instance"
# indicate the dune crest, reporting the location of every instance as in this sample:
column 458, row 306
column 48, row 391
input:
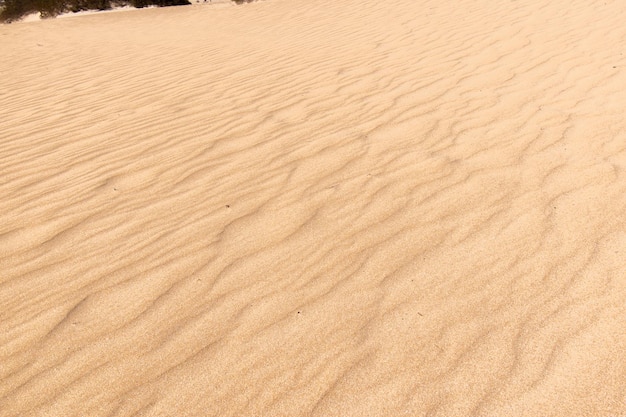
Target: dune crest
column 324, row 208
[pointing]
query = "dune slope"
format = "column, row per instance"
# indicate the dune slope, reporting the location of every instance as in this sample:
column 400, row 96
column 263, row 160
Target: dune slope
column 325, row 208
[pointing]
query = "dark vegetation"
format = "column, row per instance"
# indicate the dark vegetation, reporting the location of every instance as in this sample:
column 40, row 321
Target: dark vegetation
column 11, row 10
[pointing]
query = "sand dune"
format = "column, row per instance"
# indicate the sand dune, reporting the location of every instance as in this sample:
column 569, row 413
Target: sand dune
column 326, row 208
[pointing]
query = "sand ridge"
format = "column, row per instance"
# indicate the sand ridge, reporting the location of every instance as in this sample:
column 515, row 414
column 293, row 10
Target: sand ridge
column 315, row 208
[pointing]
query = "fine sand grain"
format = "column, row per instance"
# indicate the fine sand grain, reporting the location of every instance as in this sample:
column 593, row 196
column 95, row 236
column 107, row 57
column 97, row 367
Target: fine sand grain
column 315, row 207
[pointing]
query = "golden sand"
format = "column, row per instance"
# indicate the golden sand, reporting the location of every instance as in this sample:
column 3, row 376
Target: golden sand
column 315, row 207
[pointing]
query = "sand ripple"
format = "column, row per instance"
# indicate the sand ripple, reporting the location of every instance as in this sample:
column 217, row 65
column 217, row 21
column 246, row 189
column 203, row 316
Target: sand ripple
column 329, row 208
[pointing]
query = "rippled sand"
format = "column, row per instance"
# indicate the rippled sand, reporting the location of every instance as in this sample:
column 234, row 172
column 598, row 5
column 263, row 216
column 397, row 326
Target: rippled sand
column 315, row 207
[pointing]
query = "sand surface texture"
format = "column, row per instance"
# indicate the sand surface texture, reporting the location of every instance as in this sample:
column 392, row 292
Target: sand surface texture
column 315, row 207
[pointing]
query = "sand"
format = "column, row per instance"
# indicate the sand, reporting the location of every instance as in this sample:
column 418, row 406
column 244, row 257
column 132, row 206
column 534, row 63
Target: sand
column 324, row 208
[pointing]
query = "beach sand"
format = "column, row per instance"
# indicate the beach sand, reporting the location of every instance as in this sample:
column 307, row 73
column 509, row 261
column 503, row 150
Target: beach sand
column 315, row 207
